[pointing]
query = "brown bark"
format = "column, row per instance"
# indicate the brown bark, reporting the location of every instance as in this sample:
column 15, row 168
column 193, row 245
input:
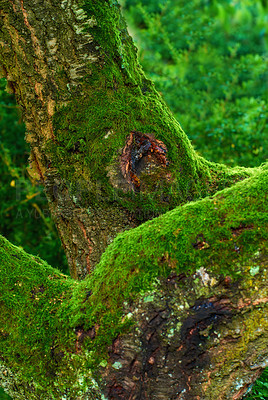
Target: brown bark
column 183, row 346
column 85, row 232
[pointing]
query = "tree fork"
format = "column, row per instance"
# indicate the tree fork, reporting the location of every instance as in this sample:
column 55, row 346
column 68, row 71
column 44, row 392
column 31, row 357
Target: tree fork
column 73, row 69
column 176, row 308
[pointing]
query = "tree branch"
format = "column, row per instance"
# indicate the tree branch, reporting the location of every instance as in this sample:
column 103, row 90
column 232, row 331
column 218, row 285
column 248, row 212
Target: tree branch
column 176, row 307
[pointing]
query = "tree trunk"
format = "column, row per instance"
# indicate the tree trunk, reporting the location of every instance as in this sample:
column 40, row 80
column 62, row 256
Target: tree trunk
column 175, row 309
column 105, row 146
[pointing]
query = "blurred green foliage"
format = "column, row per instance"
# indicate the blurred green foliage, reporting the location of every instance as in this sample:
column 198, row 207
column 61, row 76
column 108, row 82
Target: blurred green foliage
column 209, row 61
column 3, row 395
column 24, row 214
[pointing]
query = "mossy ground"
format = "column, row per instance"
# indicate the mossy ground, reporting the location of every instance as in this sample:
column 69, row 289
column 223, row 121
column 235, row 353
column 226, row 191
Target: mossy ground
column 41, row 309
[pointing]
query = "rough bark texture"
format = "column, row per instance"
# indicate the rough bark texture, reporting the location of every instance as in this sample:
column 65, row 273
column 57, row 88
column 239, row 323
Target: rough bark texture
column 73, row 69
column 185, row 347
column 175, row 309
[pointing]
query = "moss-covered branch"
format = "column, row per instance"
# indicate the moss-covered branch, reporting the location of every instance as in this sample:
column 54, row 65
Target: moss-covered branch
column 93, row 122
column 176, row 306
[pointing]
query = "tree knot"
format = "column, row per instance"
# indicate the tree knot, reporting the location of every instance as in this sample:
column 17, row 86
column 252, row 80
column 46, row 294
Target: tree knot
column 142, row 152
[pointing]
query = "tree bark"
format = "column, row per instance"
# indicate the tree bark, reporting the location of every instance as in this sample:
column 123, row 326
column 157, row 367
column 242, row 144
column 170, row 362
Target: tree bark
column 104, row 144
column 176, row 307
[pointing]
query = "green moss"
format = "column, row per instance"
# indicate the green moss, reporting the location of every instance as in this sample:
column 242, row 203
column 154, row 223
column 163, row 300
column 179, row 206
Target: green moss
column 31, row 297
column 111, row 34
column 216, row 219
column 35, row 342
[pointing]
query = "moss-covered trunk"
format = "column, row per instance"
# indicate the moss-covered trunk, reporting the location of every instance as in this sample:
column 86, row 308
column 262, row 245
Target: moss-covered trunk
column 176, row 307
column 105, row 146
